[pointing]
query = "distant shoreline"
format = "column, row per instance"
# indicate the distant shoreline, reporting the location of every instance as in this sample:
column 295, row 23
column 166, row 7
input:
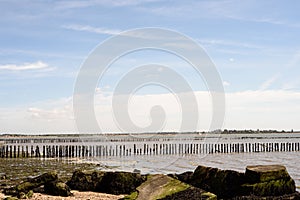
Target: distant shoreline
column 225, row 131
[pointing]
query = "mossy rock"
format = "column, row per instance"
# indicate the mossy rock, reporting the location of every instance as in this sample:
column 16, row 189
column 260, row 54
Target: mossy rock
column 23, row 189
column 80, row 181
column 172, row 187
column 265, row 173
column 159, row 186
column 36, row 182
column 191, row 193
column 223, row 183
column 185, row 177
column 57, row 188
column 85, row 181
column 271, row 188
column 119, row 182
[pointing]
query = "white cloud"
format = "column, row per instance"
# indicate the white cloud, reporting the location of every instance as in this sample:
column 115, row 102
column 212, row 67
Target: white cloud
column 268, row 109
column 26, row 66
column 52, row 114
column 91, row 29
column 225, row 83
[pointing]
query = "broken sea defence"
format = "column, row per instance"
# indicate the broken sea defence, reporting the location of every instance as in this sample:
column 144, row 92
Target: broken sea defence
column 257, row 182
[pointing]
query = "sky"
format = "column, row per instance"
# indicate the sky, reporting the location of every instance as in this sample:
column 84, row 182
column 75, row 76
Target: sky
column 254, row 46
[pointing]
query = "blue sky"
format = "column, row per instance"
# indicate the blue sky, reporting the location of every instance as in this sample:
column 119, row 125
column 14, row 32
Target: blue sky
column 255, row 46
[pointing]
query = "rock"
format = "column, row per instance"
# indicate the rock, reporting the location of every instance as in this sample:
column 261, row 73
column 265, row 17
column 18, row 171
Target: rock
column 154, row 187
column 81, row 181
column 191, row 193
column 11, row 191
column 38, row 189
column 293, row 196
column 264, row 173
column 57, row 188
column 260, row 181
column 271, row 188
column 223, row 183
column 185, row 177
column 36, row 182
column 23, row 190
column 119, row 182
column 165, row 187
column 85, row 181
column 268, row 180
column 137, row 171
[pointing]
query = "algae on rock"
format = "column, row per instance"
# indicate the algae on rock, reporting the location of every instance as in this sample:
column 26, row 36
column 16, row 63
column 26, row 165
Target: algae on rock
column 223, row 183
column 85, row 181
column 268, row 180
column 264, row 173
column 57, row 188
column 119, row 182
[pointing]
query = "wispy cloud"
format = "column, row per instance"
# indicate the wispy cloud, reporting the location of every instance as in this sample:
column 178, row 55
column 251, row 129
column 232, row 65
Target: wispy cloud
column 26, row 66
column 266, row 84
column 35, row 53
column 75, row 4
column 144, row 34
column 90, row 3
column 87, row 28
column 229, row 43
column 229, row 9
column 265, row 20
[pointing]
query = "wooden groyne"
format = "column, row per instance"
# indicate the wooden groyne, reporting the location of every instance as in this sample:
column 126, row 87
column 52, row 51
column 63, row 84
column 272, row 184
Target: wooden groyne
column 104, row 150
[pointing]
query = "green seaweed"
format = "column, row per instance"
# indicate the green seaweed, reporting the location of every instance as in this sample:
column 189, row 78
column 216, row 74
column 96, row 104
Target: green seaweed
column 172, row 187
column 271, row 188
column 132, row 196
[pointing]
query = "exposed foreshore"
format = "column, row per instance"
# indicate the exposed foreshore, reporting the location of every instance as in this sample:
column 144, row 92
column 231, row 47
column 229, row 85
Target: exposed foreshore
column 88, row 165
column 257, row 182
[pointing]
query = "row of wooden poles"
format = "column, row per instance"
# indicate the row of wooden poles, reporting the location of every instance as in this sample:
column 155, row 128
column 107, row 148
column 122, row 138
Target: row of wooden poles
column 86, row 140
column 57, row 151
